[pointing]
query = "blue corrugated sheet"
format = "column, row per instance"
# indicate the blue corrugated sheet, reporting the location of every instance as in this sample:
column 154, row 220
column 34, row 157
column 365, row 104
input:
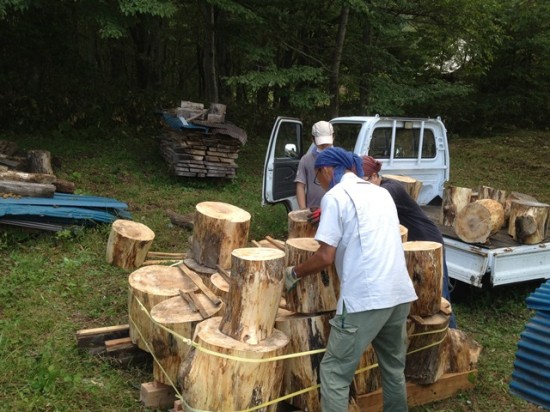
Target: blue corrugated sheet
column 61, row 210
column 531, row 375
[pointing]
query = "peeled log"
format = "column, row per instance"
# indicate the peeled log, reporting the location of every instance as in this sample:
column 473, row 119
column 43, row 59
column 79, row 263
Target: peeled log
column 219, row 228
column 425, row 266
column 169, row 349
column 426, row 354
column 256, row 285
column 454, row 199
column 152, row 285
column 528, row 221
column 298, row 226
column 313, row 293
column 128, row 244
column 477, row 221
column 411, row 185
column 213, row 383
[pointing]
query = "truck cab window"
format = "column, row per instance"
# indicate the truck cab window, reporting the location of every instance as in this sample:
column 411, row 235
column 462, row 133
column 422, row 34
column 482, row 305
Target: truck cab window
column 407, row 143
column 287, row 141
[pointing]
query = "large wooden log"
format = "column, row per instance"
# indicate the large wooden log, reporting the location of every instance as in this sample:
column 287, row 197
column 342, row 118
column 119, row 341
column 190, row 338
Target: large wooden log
column 214, row 383
column 14, row 176
column 298, row 226
column 39, row 161
column 411, row 185
column 508, row 203
column 454, row 199
column 177, row 315
column 27, row 189
column 256, row 284
column 478, row 220
column 426, row 353
column 219, row 228
column 528, row 221
column 425, row 266
column 149, row 286
column 314, row 293
column 128, row 243
column 487, row 192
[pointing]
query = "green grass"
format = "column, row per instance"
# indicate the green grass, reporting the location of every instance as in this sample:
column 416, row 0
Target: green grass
column 53, row 284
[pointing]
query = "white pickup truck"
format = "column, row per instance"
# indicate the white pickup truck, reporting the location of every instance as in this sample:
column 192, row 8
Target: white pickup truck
column 410, row 147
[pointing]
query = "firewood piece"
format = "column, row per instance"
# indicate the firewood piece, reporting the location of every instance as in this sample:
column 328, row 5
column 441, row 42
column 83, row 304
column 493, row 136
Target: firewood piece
column 209, row 381
column 156, row 395
column 454, row 199
column 404, row 232
column 464, row 352
column 255, row 243
column 426, row 357
column 306, row 333
column 27, row 189
column 185, row 221
column 219, row 229
column 508, row 203
column 181, row 317
column 165, row 255
column 14, row 176
column 313, row 293
column 220, row 286
column 479, row 220
column 277, row 243
column 160, row 262
column 298, row 226
column 528, row 221
column 224, row 274
column 257, row 280
column 128, row 243
column 425, row 266
column 200, row 269
column 64, row 186
column 40, row 161
column 151, row 285
column 200, row 284
column 411, row 185
column 486, row 192
column 94, row 339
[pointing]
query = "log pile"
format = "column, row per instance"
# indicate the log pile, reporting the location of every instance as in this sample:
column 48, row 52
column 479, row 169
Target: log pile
column 198, row 143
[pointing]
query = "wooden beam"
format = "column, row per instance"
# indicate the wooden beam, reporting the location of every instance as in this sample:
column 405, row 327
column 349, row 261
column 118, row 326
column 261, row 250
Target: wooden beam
column 200, row 284
column 156, row 395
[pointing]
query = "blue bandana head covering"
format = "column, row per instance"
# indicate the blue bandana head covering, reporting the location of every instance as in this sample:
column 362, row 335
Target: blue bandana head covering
column 341, row 160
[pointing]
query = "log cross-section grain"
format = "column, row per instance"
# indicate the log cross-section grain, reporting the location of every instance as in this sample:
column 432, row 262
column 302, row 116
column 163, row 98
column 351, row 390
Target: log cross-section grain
column 425, row 266
column 298, row 226
column 219, row 228
column 479, row 220
column 454, row 199
column 214, row 383
column 128, row 243
column 313, row 293
column 257, row 280
column 528, row 223
column 148, row 286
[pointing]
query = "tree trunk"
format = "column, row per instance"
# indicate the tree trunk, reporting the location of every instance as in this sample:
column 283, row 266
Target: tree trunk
column 178, row 316
column 425, row 266
column 150, row 285
column 477, row 221
column 257, row 281
column 528, row 221
column 219, row 228
column 334, row 75
column 412, row 186
column 454, row 199
column 214, row 383
column 314, row 293
column 298, row 226
column 26, row 189
column 128, row 244
column 39, row 161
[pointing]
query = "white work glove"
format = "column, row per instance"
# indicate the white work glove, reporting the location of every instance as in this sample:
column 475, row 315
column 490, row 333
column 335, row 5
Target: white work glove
column 291, row 280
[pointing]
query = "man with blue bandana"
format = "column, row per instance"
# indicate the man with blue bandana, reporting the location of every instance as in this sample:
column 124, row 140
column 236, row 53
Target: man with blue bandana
column 359, row 232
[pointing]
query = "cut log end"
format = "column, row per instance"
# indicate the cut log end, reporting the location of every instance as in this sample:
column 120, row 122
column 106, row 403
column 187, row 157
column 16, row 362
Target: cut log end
column 225, row 211
column 258, row 254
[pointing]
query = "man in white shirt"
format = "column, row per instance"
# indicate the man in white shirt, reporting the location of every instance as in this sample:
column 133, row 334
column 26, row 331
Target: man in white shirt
column 359, row 233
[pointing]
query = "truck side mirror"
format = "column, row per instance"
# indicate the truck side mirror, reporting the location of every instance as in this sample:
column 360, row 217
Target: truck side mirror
column 290, row 150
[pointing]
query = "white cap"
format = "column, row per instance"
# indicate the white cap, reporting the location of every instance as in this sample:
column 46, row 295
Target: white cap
column 322, row 133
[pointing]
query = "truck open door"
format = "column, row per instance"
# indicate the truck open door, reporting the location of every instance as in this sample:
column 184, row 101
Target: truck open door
column 281, row 162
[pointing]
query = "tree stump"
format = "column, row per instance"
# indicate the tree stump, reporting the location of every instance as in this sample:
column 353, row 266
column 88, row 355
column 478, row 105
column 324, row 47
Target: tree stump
column 128, row 244
column 151, row 285
column 454, row 199
column 169, row 349
column 411, row 185
column 477, row 221
column 528, row 221
column 306, row 333
column 426, row 356
column 508, row 204
column 404, row 232
column 219, row 228
column 314, row 293
column 256, row 284
column 214, row 383
column 39, row 161
column 219, row 285
column 298, row 226
column 425, row 266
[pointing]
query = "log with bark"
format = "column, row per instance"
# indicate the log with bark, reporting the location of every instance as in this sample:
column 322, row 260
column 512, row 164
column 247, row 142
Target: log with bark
column 149, row 286
column 487, row 192
column 128, row 244
column 298, row 226
column 64, row 186
column 508, row 203
column 454, row 199
column 15, row 176
column 27, row 189
column 256, row 284
column 425, row 266
column 39, row 161
column 479, row 220
column 219, row 228
column 528, row 223
column 411, row 185
column 211, row 382
column 463, row 351
column 313, row 293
